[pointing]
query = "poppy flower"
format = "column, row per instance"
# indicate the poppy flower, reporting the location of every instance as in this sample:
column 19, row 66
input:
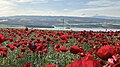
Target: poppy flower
column 57, row 49
column 88, row 61
column 76, row 63
column 4, row 54
column 36, row 41
column 23, row 49
column 27, row 64
column 10, row 39
column 63, row 49
column 64, row 41
column 48, row 39
column 20, row 56
column 64, row 37
column 45, row 50
column 50, row 65
column 39, row 47
column 56, row 39
column 25, row 42
column 45, row 45
column 42, row 41
column 57, row 46
column 106, row 52
column 2, row 38
column 74, row 49
column 4, row 49
column 68, row 65
column 12, row 47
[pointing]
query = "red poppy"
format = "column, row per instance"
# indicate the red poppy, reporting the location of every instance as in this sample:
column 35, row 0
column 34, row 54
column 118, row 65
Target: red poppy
column 25, row 42
column 12, row 47
column 74, row 49
column 23, row 49
column 57, row 46
column 27, row 64
column 63, row 49
column 20, row 56
column 64, row 37
column 57, row 49
column 45, row 50
column 76, row 63
column 4, row 49
column 50, row 65
column 48, row 39
column 56, row 39
column 68, row 65
column 88, row 61
column 46, row 45
column 39, row 47
column 106, row 52
column 2, row 38
column 4, row 54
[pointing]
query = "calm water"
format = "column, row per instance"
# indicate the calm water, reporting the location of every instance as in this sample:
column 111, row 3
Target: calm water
column 72, row 28
column 79, row 29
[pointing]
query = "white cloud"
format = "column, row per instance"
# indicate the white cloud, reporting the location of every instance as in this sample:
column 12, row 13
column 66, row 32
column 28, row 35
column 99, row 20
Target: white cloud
column 105, row 11
column 22, row 1
column 33, row 12
column 10, row 7
column 7, row 7
column 31, row 1
column 104, row 3
column 58, row 0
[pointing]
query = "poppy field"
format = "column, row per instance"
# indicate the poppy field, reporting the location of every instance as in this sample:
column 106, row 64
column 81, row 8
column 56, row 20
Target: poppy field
column 48, row 48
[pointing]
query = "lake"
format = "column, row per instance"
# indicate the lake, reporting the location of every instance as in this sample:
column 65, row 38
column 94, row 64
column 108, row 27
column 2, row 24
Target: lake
column 78, row 29
column 72, row 28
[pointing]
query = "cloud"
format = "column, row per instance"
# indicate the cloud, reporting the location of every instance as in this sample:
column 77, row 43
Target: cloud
column 5, row 4
column 7, row 7
column 22, row 1
column 103, row 3
column 89, row 8
column 58, row 0
column 103, row 11
column 33, row 1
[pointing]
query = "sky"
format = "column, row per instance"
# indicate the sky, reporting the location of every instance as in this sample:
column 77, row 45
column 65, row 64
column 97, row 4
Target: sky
column 80, row 8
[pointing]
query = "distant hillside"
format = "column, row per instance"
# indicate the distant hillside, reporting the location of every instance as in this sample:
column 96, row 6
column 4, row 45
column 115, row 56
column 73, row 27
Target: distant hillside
column 55, row 20
column 107, row 17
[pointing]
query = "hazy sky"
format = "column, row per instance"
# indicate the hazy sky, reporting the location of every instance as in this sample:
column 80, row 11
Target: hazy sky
column 60, row 7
